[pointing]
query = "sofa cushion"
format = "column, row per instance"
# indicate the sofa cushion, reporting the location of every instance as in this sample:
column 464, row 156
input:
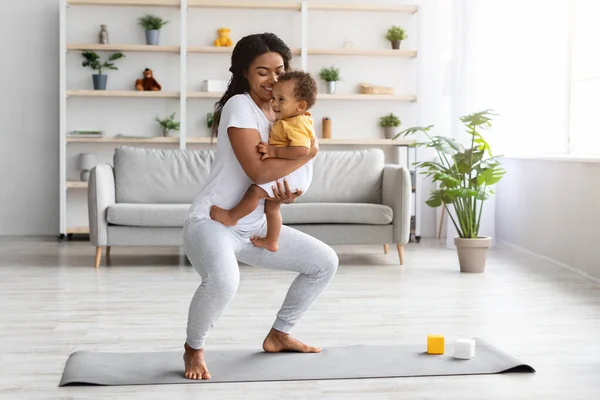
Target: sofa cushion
column 159, row 176
column 157, row 215
column 174, row 215
column 338, row 213
column 346, row 177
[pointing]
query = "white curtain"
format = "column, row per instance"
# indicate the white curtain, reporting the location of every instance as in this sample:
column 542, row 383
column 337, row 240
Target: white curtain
column 505, row 59
column 465, row 97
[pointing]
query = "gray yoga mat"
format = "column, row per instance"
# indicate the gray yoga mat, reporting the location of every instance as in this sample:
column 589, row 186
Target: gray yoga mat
column 350, row 362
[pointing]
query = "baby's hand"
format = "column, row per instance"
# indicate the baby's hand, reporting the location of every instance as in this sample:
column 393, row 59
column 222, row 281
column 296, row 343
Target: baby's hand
column 266, row 150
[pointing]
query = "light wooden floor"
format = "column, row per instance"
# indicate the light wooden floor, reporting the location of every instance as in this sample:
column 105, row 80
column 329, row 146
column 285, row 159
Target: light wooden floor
column 53, row 302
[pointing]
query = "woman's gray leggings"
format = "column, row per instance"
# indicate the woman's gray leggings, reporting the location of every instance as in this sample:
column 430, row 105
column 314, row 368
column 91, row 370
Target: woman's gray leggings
column 214, row 250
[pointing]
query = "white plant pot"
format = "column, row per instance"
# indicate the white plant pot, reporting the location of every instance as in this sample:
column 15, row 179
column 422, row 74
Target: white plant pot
column 152, row 37
column 390, row 131
column 472, row 253
column 331, row 87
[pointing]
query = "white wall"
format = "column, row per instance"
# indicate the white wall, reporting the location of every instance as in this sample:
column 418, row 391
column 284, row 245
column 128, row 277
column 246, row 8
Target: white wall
column 552, row 208
column 29, row 197
column 29, row 115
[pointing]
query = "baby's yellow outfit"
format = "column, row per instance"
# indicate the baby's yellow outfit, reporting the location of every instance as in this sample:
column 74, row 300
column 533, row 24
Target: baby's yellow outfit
column 295, row 131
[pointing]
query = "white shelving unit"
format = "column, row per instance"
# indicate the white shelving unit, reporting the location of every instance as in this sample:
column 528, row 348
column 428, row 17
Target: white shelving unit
column 183, row 49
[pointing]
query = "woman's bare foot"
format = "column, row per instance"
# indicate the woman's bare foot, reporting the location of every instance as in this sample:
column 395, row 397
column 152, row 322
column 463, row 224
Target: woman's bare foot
column 223, row 216
column 195, row 367
column 265, row 243
column 277, row 342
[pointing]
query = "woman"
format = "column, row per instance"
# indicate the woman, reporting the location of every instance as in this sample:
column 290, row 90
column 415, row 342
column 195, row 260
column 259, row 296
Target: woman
column 243, row 118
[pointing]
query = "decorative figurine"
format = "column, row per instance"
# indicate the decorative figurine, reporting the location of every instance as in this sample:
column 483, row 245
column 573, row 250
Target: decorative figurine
column 223, row 40
column 103, row 35
column 148, row 83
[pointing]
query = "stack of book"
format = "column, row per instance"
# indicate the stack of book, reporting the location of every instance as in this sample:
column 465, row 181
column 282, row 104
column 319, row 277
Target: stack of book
column 86, row 134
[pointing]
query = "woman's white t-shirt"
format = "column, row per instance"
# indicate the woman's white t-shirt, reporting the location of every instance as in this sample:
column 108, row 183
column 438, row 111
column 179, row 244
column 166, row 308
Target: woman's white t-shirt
column 227, row 182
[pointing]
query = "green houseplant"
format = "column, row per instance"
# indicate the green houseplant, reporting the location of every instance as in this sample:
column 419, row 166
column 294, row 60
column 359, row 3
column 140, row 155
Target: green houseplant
column 395, row 35
column 389, row 123
column 168, row 124
column 330, row 75
column 210, row 119
column 465, row 176
column 152, row 24
column 92, row 60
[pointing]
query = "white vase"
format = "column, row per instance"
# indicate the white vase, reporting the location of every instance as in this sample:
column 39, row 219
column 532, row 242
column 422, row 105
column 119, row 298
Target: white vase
column 331, row 87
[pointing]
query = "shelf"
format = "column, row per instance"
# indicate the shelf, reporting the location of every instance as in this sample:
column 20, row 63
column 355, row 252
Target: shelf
column 221, row 50
column 121, row 93
column 78, row 229
column 210, row 49
column 363, row 7
column 123, row 47
column 207, row 140
column 364, row 52
column 339, row 142
column 160, row 3
column 323, row 96
column 262, row 5
column 286, row 5
column 368, row 97
column 367, row 142
column 201, row 140
column 77, row 185
column 124, row 140
column 205, row 95
column 228, row 50
column 73, row 221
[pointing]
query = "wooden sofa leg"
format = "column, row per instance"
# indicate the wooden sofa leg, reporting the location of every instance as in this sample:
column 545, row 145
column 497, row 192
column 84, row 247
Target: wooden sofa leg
column 98, row 256
column 107, row 252
column 385, row 248
column 401, row 253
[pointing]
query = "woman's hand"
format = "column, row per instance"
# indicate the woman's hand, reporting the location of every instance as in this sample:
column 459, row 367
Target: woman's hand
column 284, row 194
column 314, row 148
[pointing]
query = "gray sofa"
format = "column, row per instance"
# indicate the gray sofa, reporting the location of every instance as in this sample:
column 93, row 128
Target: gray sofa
column 143, row 199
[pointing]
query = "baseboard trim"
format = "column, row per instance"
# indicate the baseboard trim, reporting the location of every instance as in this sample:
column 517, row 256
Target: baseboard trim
column 553, row 261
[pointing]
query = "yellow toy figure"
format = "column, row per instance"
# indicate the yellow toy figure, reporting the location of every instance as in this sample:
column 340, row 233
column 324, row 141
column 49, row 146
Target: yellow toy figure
column 223, row 40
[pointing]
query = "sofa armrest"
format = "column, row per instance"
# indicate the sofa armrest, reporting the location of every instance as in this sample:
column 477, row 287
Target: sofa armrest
column 396, row 193
column 101, row 194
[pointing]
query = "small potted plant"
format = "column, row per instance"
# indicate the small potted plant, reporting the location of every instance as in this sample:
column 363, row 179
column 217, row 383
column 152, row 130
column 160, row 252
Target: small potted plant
column 395, row 35
column 168, row 124
column 210, row 118
column 330, row 75
column 152, row 24
column 92, row 60
column 465, row 176
column 389, row 123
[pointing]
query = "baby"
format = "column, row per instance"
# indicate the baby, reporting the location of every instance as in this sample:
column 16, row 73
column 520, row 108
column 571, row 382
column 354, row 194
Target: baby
column 290, row 137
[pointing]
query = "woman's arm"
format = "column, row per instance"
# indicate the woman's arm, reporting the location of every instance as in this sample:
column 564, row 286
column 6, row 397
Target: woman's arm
column 244, row 142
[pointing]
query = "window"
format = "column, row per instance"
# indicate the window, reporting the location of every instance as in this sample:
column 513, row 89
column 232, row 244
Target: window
column 584, row 129
column 518, row 62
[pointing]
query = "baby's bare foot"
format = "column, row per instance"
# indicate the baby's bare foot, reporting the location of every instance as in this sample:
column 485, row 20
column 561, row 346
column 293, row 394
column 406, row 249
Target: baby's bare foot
column 277, row 342
column 223, row 216
column 265, row 243
column 195, row 367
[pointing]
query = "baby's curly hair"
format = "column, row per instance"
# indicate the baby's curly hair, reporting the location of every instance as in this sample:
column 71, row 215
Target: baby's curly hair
column 305, row 87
